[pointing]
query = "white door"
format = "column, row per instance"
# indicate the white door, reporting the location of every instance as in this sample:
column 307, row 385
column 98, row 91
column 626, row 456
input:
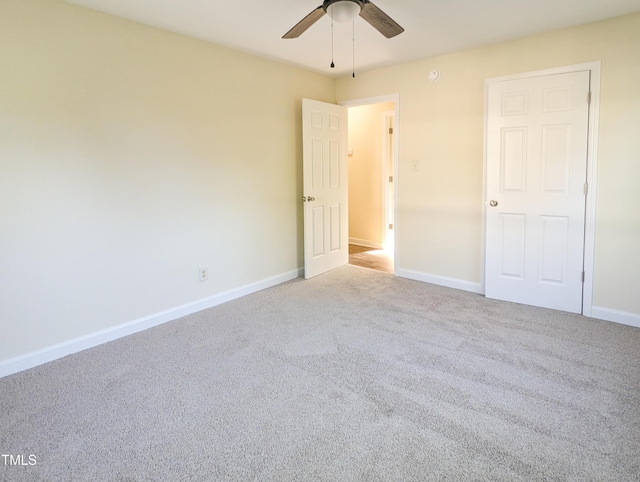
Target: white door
column 325, row 187
column 537, row 131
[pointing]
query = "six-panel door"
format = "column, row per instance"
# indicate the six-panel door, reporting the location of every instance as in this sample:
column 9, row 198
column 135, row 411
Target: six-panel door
column 325, row 187
column 536, row 172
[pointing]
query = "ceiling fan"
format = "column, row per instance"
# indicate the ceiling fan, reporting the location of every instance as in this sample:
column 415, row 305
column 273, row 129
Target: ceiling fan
column 345, row 11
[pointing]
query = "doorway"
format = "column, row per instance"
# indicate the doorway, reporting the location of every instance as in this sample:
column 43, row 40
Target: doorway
column 372, row 152
column 325, row 168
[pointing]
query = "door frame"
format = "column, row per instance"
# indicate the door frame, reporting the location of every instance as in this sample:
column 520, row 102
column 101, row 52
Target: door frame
column 388, row 159
column 592, row 158
column 395, row 98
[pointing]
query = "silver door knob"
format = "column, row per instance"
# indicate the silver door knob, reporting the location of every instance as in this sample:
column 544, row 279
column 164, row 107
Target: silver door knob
column 311, row 198
column 493, row 204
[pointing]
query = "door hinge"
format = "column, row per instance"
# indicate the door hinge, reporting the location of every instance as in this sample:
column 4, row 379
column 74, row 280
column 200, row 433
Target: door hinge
column 583, row 276
column 589, row 97
column 390, row 130
column 586, row 188
column 390, row 178
column 391, row 226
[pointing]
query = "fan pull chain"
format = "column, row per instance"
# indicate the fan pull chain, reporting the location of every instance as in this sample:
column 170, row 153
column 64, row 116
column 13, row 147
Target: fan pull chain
column 332, row 64
column 354, row 50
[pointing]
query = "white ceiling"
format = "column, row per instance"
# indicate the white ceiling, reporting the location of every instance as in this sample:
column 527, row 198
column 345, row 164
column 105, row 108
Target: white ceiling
column 432, row 27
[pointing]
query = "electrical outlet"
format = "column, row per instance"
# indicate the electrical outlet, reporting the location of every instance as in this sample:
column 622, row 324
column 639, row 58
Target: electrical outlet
column 203, row 274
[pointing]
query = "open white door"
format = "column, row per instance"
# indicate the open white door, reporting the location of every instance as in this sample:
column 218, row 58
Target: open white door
column 325, row 187
column 537, row 132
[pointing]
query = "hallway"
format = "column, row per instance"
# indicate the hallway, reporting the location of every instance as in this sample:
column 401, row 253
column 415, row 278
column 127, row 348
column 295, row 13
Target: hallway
column 372, row 258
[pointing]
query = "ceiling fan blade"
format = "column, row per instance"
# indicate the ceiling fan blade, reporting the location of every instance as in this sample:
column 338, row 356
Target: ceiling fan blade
column 379, row 20
column 305, row 23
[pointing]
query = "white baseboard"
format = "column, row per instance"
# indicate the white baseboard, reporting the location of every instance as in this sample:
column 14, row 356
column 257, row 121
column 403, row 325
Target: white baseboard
column 622, row 317
column 366, row 243
column 54, row 352
column 440, row 280
column 598, row 312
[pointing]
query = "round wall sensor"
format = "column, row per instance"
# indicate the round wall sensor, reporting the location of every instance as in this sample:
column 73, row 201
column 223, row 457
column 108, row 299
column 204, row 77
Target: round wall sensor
column 434, row 75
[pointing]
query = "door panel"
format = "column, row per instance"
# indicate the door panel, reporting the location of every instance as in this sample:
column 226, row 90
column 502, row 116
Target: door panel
column 335, row 229
column 317, row 161
column 512, row 244
column 513, row 160
column 325, row 188
column 536, row 170
column 318, row 231
column 334, row 160
column 553, row 249
column 556, row 158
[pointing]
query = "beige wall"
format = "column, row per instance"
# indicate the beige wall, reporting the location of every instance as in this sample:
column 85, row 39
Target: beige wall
column 129, row 158
column 441, row 125
column 366, row 200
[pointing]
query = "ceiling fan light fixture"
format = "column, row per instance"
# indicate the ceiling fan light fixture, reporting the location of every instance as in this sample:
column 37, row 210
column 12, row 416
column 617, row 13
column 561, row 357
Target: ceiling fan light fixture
column 344, row 10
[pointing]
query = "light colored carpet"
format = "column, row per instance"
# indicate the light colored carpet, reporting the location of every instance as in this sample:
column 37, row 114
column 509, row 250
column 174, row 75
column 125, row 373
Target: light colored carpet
column 351, row 376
